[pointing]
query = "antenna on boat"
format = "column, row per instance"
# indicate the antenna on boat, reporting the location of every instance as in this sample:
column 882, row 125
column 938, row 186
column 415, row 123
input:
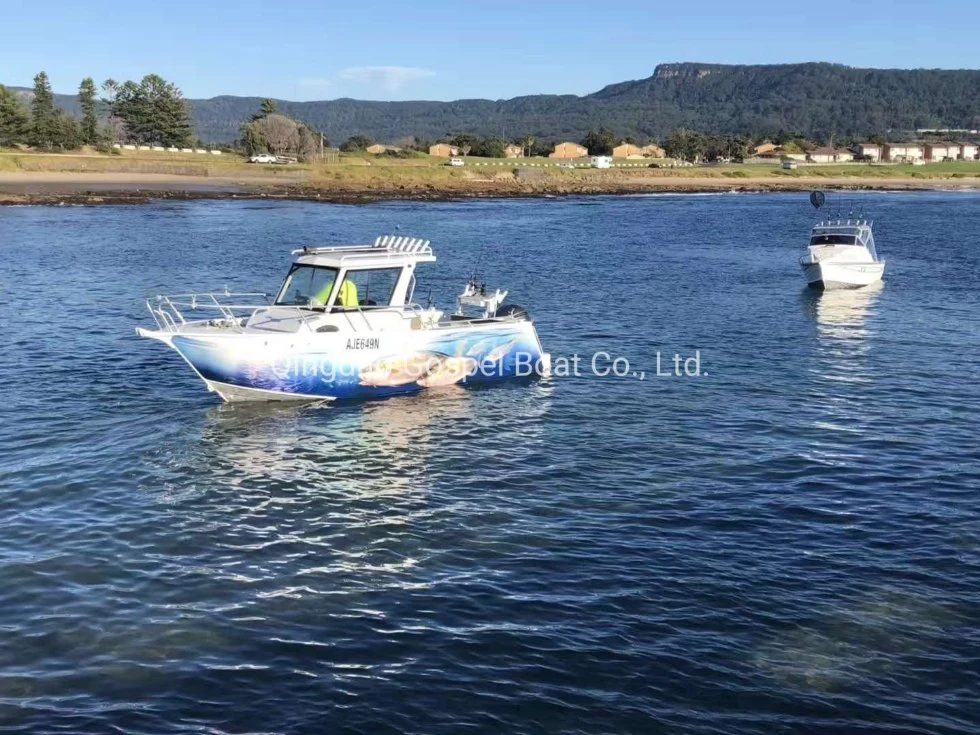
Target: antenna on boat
column 474, row 274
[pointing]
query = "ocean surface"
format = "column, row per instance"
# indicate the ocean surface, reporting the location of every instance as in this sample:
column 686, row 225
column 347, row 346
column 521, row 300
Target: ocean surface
column 786, row 542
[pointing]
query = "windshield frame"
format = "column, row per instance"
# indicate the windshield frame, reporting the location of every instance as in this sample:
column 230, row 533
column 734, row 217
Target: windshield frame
column 288, row 281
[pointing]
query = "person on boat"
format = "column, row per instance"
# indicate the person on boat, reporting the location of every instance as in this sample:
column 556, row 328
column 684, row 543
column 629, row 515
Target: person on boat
column 347, row 297
column 348, row 294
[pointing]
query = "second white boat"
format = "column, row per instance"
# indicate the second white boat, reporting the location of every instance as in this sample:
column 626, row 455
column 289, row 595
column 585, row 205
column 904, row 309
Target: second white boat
column 841, row 254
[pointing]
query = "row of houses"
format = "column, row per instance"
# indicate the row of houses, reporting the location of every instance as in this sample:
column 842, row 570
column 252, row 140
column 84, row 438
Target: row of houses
column 445, row 150
column 566, row 151
column 912, row 152
column 885, row 153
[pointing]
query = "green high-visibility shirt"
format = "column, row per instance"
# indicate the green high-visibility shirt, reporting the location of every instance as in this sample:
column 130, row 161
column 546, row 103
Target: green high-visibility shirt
column 348, row 294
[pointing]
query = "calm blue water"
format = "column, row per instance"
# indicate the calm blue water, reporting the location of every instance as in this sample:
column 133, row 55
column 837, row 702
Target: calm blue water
column 790, row 543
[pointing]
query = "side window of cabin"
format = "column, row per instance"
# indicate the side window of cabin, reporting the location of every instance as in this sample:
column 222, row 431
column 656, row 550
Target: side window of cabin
column 374, row 287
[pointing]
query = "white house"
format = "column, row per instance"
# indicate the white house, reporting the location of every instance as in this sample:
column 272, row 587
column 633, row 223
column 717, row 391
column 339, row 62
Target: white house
column 968, row 151
column 902, row 152
column 942, row 151
column 830, row 155
column 868, row 151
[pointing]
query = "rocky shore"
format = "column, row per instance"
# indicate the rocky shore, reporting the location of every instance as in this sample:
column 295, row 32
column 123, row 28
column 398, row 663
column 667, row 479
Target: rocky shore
column 75, row 188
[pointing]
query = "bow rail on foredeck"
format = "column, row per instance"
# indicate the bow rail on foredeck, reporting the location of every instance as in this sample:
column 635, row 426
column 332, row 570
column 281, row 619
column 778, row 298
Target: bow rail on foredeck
column 231, row 311
column 168, row 311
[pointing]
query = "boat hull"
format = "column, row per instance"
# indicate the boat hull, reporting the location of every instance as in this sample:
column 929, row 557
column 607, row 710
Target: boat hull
column 243, row 366
column 829, row 275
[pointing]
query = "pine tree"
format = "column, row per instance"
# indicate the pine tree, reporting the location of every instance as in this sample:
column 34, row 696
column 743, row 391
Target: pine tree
column 44, row 126
column 268, row 107
column 14, row 119
column 154, row 112
column 89, row 128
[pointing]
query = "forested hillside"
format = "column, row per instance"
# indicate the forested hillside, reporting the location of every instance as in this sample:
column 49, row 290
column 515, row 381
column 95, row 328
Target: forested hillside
column 814, row 100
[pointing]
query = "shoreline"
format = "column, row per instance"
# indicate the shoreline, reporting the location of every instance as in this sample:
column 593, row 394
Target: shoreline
column 91, row 189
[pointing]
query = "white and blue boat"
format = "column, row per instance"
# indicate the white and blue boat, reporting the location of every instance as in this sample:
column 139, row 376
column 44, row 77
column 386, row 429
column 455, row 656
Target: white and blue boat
column 344, row 325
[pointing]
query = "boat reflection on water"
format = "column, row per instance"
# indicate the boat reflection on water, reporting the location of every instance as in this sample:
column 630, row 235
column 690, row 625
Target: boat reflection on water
column 843, row 376
column 842, row 314
column 344, row 495
column 362, row 450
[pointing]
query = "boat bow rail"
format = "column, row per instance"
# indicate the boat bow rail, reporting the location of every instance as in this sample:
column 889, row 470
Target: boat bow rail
column 225, row 308
column 233, row 310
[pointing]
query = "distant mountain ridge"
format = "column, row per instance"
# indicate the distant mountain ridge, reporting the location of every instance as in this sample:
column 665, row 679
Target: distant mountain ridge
column 817, row 100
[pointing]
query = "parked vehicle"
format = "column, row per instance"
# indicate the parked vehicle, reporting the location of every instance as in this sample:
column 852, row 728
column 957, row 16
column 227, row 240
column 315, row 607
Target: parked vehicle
column 262, row 158
column 456, row 162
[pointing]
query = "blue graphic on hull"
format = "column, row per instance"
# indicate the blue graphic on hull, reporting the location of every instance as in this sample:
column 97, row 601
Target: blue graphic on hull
column 460, row 357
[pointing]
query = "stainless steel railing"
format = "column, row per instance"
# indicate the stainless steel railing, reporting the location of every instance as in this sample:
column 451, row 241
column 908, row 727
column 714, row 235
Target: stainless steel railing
column 168, row 311
column 232, row 310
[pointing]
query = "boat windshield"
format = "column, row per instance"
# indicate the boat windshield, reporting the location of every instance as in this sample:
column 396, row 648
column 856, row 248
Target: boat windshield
column 833, row 240
column 307, row 285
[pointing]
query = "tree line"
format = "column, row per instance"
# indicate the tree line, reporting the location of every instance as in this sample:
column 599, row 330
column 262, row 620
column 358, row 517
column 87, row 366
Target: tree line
column 149, row 112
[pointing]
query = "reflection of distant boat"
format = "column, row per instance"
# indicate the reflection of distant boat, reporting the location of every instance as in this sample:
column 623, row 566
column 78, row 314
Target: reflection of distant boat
column 842, row 313
column 841, row 254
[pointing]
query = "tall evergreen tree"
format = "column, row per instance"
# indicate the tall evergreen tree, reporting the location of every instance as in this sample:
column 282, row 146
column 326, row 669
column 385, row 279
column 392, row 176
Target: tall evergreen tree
column 154, row 112
column 44, row 125
column 89, row 129
column 14, row 119
column 268, row 107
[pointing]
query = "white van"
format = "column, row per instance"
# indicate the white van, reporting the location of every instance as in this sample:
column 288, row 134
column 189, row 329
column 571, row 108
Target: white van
column 601, row 161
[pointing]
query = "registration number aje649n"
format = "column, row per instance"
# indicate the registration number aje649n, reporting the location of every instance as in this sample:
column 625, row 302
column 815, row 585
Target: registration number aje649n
column 363, row 343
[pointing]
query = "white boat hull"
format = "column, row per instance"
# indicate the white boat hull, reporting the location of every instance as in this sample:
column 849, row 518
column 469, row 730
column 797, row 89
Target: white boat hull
column 831, row 275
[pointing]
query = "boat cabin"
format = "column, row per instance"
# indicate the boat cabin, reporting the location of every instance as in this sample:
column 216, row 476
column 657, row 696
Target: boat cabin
column 355, row 276
column 844, row 233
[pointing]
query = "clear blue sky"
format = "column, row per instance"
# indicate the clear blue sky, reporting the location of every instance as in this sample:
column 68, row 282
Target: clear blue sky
column 436, row 49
